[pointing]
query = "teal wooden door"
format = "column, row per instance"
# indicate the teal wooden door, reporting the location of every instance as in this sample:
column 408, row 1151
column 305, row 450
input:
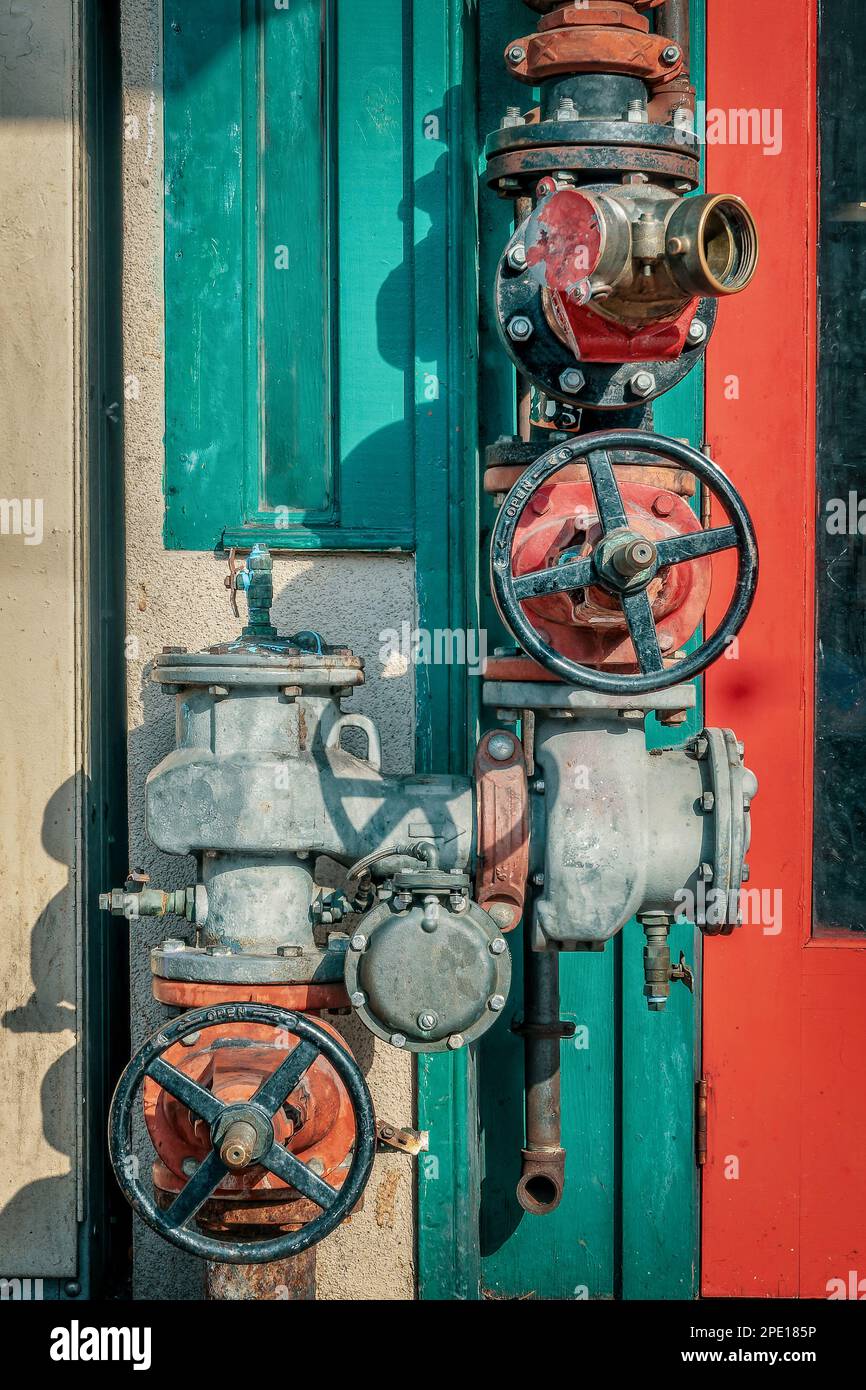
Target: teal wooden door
column 332, row 376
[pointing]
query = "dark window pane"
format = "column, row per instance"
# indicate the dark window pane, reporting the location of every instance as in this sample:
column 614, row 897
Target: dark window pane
column 840, row 739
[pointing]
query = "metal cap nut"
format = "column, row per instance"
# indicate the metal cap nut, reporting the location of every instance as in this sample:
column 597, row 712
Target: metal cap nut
column 572, row 380
column 519, row 328
column 643, row 384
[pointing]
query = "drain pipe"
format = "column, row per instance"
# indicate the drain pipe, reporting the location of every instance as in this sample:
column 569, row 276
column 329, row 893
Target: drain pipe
column 542, row 1176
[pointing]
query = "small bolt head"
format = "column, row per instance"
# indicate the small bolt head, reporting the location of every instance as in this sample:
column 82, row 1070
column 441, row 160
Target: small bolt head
column 500, row 747
column 708, row 801
column 191, row 1039
column 670, row 55
column 496, row 1002
column 358, row 942
column 171, row 946
column 538, row 880
column 358, row 999
column 427, row 1021
column 697, row 331
column 498, row 946
column 516, row 257
column 516, row 54
column 538, row 786
column 572, row 381
column 746, row 874
column 643, row 384
column 456, row 1041
column 398, row 1039
column 706, row 873
column 189, row 1167
column 519, row 328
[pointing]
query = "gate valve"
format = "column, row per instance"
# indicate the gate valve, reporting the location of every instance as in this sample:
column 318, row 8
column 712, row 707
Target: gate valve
column 623, row 563
column 238, row 1106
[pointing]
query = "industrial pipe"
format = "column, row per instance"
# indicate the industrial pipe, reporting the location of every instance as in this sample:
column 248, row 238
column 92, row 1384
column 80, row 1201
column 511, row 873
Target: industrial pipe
column 542, row 1176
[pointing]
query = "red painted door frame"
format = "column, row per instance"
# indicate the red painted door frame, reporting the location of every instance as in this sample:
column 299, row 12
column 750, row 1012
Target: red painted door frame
column 784, row 1194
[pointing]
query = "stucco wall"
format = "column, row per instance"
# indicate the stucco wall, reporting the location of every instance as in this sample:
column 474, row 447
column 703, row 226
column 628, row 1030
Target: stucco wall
column 178, row 599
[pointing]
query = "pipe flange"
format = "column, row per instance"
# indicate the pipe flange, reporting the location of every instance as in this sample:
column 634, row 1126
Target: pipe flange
column 732, row 786
column 174, row 960
column 592, row 130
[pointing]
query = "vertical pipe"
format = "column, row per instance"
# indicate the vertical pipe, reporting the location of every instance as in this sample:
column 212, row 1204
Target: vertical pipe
column 292, row 1281
column 543, row 1168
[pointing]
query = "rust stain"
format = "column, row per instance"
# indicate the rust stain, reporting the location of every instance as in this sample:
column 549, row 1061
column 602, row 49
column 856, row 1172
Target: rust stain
column 386, row 1200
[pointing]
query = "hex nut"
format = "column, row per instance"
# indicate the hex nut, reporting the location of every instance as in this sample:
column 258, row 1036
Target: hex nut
column 670, row 55
column 456, row 1041
column 516, row 256
column 516, row 54
column 398, row 1040
column 643, row 384
column 572, row 380
column 498, row 945
column 519, row 328
column 358, row 999
column 358, row 942
column 708, row 801
column 496, row 1002
column 697, row 331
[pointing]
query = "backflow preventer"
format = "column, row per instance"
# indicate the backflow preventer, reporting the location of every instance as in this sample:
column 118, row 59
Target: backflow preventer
column 259, row 1115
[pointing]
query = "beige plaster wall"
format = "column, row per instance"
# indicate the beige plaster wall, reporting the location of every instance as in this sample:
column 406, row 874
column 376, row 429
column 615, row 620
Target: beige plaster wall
column 40, row 626
column 178, row 599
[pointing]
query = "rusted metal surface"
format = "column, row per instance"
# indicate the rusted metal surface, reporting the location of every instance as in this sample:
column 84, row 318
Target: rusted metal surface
column 502, row 809
column 316, row 1123
column 502, row 478
column 702, row 1091
column 580, row 47
column 593, row 159
column 293, row 1280
column 308, row 998
column 542, row 1175
column 407, row 1141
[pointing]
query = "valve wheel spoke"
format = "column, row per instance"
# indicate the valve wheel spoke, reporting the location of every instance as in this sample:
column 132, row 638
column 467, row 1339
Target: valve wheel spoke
column 278, row 1087
column 207, row 1176
column 287, row 1166
column 641, row 624
column 202, row 1102
column 695, row 545
column 608, row 498
column 575, row 574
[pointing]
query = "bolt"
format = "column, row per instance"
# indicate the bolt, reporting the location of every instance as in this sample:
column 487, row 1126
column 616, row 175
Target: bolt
column 566, row 110
column 500, row 747
column 517, row 256
column 746, row 874
column 741, row 749
column 191, row 1039
column 708, row 801
column 398, row 1040
column 513, row 117
column 663, row 505
column 697, row 331
column 670, row 55
column 72, row 1289
column 170, row 946
column 519, row 328
column 676, row 246
column 637, row 110
column 358, row 999
column 189, row 1167
column 496, row 1002
column 239, row 1144
column 572, row 380
column 358, row 942
column 643, row 384
column 516, row 54
column 427, row 1021
column 497, row 945
column 290, row 951
column 698, row 747
column 456, row 1040
column 538, row 786
column 538, row 880
column 706, row 873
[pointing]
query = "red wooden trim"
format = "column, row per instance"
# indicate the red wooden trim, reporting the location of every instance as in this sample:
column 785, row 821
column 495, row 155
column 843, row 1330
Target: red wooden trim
column 784, row 1016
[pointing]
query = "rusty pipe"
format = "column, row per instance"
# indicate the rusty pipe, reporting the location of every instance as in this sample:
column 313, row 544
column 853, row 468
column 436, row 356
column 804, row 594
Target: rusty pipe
column 674, row 22
column 542, row 1176
column 292, row 1280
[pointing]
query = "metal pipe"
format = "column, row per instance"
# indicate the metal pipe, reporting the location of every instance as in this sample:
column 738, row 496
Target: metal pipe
column 674, row 22
column 292, row 1281
column 542, row 1175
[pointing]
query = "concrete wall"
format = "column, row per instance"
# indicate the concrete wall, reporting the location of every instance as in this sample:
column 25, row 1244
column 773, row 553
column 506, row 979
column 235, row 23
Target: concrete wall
column 178, row 599
column 41, row 637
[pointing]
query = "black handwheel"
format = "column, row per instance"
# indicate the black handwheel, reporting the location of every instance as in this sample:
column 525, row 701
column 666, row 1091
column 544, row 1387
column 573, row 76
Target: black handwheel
column 623, row 561
column 256, row 1114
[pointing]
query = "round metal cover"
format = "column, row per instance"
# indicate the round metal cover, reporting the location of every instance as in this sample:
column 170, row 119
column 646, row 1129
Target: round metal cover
column 428, row 985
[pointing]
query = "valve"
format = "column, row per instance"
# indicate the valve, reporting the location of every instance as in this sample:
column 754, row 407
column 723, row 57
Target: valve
column 229, row 1113
column 427, row 970
column 622, row 563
